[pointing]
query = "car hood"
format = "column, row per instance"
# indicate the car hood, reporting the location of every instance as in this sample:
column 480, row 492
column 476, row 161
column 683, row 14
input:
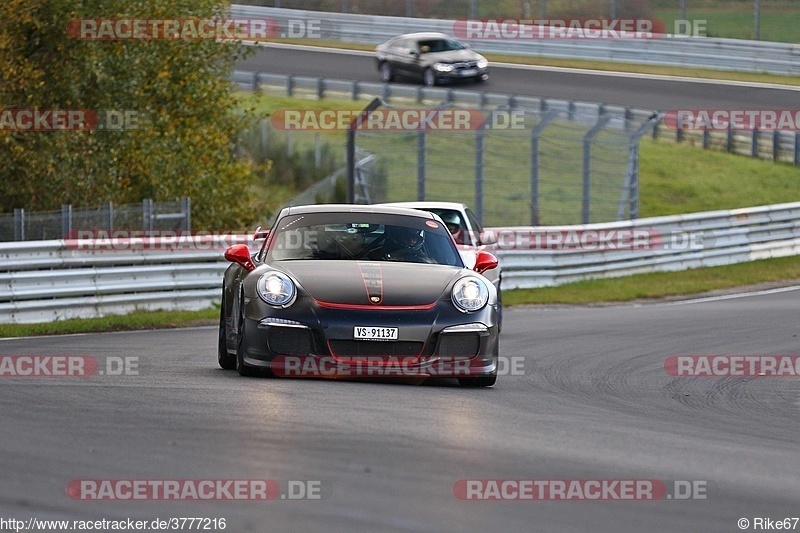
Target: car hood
column 371, row 283
column 452, row 56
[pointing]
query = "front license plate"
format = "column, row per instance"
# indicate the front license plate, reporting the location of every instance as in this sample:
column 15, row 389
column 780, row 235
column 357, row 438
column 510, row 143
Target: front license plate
column 374, row 334
column 470, row 72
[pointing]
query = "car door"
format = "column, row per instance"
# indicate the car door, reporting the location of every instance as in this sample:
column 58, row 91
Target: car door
column 407, row 58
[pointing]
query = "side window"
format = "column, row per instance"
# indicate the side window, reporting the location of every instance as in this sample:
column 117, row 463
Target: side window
column 477, row 229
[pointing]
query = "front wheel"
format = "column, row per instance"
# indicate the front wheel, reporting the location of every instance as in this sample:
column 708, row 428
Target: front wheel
column 429, row 77
column 386, row 72
column 243, row 368
column 226, row 360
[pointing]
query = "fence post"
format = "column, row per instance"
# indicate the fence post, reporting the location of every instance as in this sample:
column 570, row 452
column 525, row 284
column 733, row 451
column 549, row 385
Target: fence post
column 729, row 140
column 110, row 218
column 147, row 214
column 264, row 138
column 186, row 211
column 351, row 147
column 632, row 173
column 705, row 137
column 421, row 137
column 587, row 167
column 479, row 142
column 19, row 224
column 289, row 142
column 66, row 220
column 536, row 132
column 317, row 150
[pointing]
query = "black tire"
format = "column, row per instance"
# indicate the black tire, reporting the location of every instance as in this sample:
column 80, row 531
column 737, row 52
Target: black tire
column 429, row 78
column 226, row 360
column 241, row 367
column 386, row 72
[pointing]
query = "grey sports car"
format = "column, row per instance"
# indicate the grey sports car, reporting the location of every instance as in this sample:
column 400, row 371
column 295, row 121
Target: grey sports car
column 344, row 290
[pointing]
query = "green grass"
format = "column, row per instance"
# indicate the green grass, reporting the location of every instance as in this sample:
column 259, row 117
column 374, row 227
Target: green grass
column 661, row 284
column 779, row 24
column 137, row 320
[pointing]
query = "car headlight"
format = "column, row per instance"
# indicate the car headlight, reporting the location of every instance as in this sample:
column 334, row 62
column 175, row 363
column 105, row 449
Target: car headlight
column 483, row 63
column 443, row 67
column 470, row 294
column 276, row 289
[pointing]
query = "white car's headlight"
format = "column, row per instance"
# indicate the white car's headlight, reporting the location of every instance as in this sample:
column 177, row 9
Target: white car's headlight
column 277, row 289
column 470, row 294
column 483, row 63
column 443, row 67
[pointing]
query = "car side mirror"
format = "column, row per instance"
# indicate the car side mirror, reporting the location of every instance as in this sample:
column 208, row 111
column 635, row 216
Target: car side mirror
column 260, row 233
column 484, row 261
column 240, row 254
column 414, row 53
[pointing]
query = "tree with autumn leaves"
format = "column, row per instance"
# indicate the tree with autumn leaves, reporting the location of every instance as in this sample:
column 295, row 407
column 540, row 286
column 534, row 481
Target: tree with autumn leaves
column 178, row 91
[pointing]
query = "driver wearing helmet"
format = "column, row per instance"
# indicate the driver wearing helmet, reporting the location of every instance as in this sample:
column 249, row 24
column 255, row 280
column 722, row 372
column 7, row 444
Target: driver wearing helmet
column 452, row 220
column 404, row 244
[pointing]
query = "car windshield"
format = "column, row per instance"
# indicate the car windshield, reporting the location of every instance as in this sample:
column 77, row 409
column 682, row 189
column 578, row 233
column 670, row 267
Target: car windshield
column 360, row 236
column 439, row 45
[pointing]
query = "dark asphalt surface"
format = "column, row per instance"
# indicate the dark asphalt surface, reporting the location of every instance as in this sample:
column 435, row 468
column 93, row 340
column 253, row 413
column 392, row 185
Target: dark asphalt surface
column 594, row 402
column 656, row 94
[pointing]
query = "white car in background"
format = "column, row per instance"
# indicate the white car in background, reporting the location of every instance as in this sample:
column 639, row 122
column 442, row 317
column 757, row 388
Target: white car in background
column 466, row 231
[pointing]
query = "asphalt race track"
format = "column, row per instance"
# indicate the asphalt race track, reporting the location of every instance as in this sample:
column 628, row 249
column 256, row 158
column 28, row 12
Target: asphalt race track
column 594, row 403
column 639, row 92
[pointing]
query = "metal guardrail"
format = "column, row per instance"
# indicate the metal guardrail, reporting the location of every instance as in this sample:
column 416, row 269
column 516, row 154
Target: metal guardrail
column 721, row 237
column 42, row 281
column 680, row 51
column 53, row 280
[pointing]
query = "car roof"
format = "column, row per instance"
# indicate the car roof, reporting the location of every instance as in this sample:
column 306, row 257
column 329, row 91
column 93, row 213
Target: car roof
column 423, row 35
column 429, row 205
column 384, row 209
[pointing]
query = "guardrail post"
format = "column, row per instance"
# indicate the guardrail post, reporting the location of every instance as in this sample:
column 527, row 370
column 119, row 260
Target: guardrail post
column 776, row 144
column 186, row 211
column 797, row 149
column 678, row 135
column 479, row 145
column 320, row 88
column 19, row 224
column 66, row 220
column 290, row 85
column 289, row 142
column 587, row 167
column 385, row 92
column 512, row 101
column 256, row 81
column 420, row 96
column 355, row 91
column 729, row 140
column 147, row 214
column 449, row 95
column 754, row 143
column 536, row 132
column 543, row 106
column 705, row 138
column 317, row 150
column 421, row 137
column 628, row 119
